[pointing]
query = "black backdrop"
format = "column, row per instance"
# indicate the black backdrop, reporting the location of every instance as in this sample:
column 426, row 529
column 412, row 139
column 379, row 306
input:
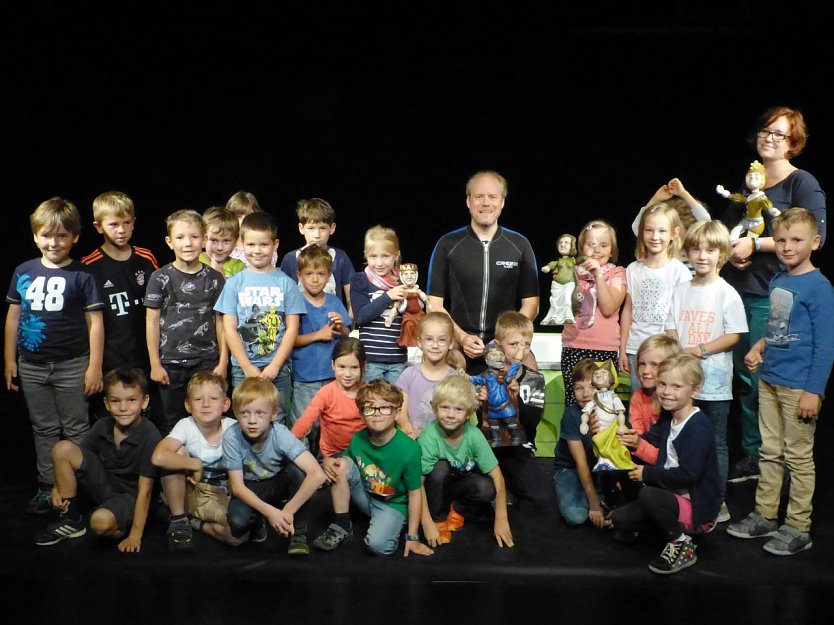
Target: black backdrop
column 385, row 109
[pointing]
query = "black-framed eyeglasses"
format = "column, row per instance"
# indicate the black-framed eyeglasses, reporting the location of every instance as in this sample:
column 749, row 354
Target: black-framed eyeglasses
column 777, row 136
column 369, row 410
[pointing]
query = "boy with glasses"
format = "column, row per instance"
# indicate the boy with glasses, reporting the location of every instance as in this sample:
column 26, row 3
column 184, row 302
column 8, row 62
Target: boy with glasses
column 383, row 471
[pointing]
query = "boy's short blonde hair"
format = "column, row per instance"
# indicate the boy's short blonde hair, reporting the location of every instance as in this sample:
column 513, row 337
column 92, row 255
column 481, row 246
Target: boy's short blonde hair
column 379, row 389
column 313, row 257
column 661, row 208
column 259, row 222
column 204, row 378
column 113, row 203
column 314, row 211
column 186, row 215
column 594, row 225
column 223, row 220
column 510, row 321
column 455, row 389
column 662, row 343
column 689, row 365
column 713, row 234
column 583, row 370
column 795, row 216
column 54, row 213
column 243, row 203
column 253, row 389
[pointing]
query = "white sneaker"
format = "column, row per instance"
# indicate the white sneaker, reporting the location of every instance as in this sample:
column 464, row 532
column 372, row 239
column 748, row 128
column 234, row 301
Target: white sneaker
column 723, row 513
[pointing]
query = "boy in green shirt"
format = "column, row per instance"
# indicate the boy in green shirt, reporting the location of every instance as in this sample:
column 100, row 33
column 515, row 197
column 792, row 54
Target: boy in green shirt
column 382, row 466
column 458, row 466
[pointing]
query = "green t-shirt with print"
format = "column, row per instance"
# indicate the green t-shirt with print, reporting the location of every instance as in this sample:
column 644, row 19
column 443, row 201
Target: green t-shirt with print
column 388, row 471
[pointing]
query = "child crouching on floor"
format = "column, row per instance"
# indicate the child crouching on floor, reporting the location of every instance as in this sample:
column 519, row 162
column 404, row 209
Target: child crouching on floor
column 195, row 482
column 267, row 465
column 112, row 465
column 382, row 465
column 460, row 471
column 681, row 493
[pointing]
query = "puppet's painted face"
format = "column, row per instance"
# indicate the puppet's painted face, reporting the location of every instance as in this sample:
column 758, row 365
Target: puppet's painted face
column 601, row 379
column 754, row 180
column 408, row 277
column 495, row 359
column 563, row 246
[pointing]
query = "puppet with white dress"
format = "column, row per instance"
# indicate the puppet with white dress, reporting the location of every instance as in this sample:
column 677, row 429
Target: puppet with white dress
column 611, row 454
column 562, row 285
column 756, row 203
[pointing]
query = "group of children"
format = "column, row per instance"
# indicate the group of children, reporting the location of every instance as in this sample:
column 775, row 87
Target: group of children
column 314, row 405
column 675, row 336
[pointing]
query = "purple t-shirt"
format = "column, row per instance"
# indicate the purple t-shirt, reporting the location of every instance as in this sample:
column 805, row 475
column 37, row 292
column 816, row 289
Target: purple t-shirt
column 420, row 390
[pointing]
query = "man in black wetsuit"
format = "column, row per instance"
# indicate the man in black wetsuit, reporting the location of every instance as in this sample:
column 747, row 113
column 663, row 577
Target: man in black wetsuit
column 476, row 273
column 481, row 270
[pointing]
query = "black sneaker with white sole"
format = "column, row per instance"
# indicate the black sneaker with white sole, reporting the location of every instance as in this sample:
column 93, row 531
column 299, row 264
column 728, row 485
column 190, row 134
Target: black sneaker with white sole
column 62, row 529
column 676, row 556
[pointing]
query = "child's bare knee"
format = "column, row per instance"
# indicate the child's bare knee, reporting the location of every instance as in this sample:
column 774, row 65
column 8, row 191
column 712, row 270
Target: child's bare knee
column 103, row 523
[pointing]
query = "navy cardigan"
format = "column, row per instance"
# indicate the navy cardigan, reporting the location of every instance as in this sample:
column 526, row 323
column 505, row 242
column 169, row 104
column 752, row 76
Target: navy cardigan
column 698, row 464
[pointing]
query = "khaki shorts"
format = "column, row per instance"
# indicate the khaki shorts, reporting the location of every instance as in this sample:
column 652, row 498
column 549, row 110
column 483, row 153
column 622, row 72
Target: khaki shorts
column 207, row 502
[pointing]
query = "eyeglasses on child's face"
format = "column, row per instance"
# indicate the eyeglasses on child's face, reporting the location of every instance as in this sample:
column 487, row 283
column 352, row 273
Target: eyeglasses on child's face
column 370, row 410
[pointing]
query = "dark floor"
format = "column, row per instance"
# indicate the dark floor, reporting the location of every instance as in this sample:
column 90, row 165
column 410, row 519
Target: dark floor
column 554, row 572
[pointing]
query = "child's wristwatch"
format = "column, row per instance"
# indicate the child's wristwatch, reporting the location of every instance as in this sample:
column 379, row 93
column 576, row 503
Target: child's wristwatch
column 413, row 537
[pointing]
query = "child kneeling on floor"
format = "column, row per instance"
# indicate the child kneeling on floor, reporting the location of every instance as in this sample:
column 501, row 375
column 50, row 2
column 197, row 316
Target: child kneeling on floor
column 382, row 467
column 113, row 467
column 460, row 471
column 681, row 493
column 267, row 465
column 196, row 484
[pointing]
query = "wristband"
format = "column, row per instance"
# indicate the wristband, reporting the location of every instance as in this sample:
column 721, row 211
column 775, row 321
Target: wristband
column 756, row 244
column 411, row 537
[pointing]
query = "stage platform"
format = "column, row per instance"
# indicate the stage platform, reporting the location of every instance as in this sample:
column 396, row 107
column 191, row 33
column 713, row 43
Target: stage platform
column 554, row 574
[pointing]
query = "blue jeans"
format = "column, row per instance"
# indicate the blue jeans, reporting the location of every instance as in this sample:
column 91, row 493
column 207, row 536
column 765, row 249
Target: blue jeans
column 718, row 411
column 283, row 382
column 302, row 395
column 386, row 523
column 383, row 371
column 570, row 496
column 54, row 394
